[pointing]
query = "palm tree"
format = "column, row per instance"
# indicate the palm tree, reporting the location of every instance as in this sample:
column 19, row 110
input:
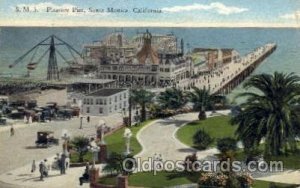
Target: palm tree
column 80, row 143
column 269, row 113
column 172, row 98
column 141, row 97
column 201, row 99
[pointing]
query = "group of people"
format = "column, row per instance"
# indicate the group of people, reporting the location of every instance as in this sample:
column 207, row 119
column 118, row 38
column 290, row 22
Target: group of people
column 27, row 120
column 61, row 163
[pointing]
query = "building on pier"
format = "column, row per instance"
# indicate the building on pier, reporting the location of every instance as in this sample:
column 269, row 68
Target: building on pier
column 148, row 67
column 214, row 58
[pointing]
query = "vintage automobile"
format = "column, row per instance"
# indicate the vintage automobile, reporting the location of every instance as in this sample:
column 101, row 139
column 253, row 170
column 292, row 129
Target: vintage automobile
column 46, row 139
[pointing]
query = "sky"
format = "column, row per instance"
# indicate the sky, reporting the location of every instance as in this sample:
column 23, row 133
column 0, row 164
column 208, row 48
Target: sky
column 166, row 13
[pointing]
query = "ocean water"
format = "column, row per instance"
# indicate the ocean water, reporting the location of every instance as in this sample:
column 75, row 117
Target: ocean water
column 15, row 41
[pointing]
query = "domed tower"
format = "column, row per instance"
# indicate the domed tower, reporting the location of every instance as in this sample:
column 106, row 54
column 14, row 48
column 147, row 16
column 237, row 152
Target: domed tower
column 147, row 53
column 147, row 38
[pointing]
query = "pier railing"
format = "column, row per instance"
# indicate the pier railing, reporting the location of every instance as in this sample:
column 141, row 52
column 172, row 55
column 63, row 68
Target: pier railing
column 249, row 64
column 226, row 78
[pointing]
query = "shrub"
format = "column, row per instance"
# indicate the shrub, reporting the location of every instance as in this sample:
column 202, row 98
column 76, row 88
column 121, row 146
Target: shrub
column 224, row 180
column 202, row 139
column 226, row 144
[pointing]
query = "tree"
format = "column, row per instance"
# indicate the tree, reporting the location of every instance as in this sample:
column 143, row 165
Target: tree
column 80, row 143
column 202, row 139
column 268, row 114
column 141, row 97
column 172, row 98
column 201, row 99
column 116, row 163
column 226, row 144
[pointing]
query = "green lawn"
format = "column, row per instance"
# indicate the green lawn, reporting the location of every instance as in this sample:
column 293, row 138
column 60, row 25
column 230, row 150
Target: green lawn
column 148, row 179
column 291, row 161
column 219, row 127
column 216, row 127
column 163, row 179
column 116, row 143
column 266, row 184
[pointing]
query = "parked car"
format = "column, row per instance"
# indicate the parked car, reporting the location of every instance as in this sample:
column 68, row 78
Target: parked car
column 46, row 139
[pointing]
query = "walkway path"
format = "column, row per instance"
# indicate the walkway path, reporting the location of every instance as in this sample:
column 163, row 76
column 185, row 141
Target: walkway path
column 160, row 138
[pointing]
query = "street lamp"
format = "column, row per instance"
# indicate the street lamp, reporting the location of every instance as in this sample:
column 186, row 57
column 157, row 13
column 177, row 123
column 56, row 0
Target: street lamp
column 95, row 150
column 127, row 135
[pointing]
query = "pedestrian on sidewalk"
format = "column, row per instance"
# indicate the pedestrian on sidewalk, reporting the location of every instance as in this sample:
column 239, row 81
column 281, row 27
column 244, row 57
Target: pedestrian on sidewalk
column 41, row 169
column 63, row 164
column 33, row 166
column 46, row 168
column 25, row 119
column 81, row 122
column 12, row 131
column 85, row 176
column 30, row 120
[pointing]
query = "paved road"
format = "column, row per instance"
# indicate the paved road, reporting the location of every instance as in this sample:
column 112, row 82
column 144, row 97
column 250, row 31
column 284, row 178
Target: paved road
column 159, row 138
column 19, row 150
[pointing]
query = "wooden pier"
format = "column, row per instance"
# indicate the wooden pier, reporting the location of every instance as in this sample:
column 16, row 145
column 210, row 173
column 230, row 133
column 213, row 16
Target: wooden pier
column 223, row 80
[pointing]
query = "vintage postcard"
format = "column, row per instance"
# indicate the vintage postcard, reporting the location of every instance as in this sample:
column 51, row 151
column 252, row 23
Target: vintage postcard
column 162, row 93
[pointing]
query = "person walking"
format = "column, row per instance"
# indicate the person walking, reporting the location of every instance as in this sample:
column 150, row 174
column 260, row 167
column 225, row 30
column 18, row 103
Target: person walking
column 46, row 168
column 63, row 164
column 33, row 166
column 85, row 176
column 80, row 122
column 12, row 131
column 25, row 119
column 30, row 120
column 41, row 169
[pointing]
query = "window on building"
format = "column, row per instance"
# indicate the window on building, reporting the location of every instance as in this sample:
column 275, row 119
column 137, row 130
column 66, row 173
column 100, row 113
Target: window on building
column 101, row 101
column 104, row 100
column 100, row 110
column 87, row 101
column 74, row 100
column 120, row 96
column 116, row 107
column 91, row 101
column 87, row 109
column 125, row 104
column 110, row 109
column 125, row 95
column 116, row 98
column 167, row 70
column 120, row 105
column 109, row 100
column 84, row 101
